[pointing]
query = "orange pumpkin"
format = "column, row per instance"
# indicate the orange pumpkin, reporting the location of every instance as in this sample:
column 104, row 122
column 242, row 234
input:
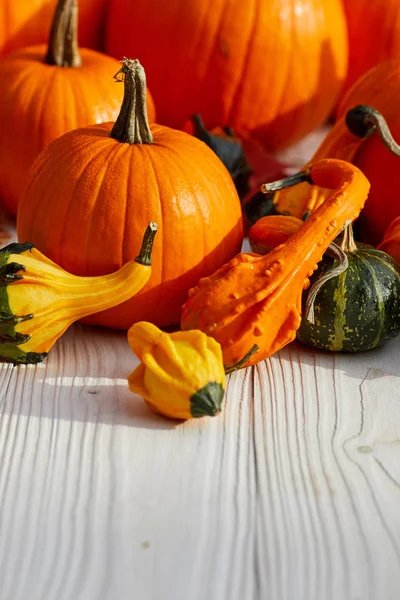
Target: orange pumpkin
column 380, row 88
column 391, row 240
column 50, row 91
column 92, row 190
column 272, row 68
column 366, row 137
column 271, row 231
column 27, row 22
column 374, row 35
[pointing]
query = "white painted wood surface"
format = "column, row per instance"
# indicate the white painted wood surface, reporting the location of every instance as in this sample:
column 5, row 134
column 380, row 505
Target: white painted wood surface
column 292, row 493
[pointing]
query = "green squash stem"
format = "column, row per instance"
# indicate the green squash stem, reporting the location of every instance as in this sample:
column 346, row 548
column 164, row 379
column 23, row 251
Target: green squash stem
column 63, row 50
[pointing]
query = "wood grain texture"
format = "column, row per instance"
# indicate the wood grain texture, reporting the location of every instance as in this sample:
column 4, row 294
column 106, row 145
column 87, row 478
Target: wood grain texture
column 292, row 493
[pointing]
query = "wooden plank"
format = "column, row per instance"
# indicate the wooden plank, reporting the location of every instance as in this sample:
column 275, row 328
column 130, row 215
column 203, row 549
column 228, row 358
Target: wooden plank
column 292, row 493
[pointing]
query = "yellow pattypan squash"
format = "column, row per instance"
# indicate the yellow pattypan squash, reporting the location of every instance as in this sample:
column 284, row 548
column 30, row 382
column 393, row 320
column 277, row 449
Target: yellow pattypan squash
column 181, row 375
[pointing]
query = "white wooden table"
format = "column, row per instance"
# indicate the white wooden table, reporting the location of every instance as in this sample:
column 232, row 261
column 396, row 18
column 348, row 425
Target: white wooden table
column 292, row 493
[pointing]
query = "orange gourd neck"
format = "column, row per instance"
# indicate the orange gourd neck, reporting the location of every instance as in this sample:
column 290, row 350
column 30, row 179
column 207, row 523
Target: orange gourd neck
column 63, row 50
column 132, row 125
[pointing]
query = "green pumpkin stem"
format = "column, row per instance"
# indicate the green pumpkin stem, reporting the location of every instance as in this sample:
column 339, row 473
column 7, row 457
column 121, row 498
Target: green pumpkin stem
column 132, row 125
column 63, row 50
column 363, row 120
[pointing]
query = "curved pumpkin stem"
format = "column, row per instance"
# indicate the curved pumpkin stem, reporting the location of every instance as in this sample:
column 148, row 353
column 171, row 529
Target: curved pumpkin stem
column 363, row 120
column 63, row 50
column 132, row 125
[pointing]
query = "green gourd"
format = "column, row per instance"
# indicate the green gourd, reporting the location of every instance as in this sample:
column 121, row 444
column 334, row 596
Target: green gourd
column 357, row 310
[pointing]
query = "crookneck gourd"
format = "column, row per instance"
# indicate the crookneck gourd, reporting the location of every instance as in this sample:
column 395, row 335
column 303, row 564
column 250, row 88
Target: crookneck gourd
column 39, row 300
column 358, row 309
column 47, row 91
column 181, row 375
column 367, row 115
column 110, row 180
column 345, row 141
column 253, row 303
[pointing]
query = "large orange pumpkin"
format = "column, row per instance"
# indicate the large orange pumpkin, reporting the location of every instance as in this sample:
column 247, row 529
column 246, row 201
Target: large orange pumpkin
column 374, row 35
column 269, row 67
column 50, row 91
column 93, row 191
column 27, row 22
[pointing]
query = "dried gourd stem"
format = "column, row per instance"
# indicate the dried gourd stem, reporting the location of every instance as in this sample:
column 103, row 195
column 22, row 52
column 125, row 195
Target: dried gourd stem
column 256, row 209
column 132, row 125
column 144, row 256
column 337, row 252
column 363, row 120
column 281, row 184
column 241, row 363
column 348, row 244
column 63, row 50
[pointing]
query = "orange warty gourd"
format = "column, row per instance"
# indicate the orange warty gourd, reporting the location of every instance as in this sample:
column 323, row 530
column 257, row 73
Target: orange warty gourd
column 252, row 305
column 47, row 92
column 391, row 240
column 374, row 35
column 365, row 133
column 27, row 22
column 91, row 193
column 272, row 68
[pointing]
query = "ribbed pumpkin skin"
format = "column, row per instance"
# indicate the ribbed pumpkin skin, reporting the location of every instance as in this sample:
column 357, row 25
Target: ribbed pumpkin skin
column 27, row 22
column 273, row 68
column 41, row 102
column 359, row 309
column 374, row 35
column 90, row 198
column 379, row 88
column 391, row 240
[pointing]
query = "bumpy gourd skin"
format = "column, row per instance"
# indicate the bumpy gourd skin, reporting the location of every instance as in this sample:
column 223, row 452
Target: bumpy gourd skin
column 39, row 300
column 256, row 300
column 181, row 375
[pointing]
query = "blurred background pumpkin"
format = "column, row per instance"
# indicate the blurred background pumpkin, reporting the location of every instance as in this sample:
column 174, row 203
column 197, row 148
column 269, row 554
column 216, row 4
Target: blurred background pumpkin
column 27, row 22
column 271, row 68
column 374, row 28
